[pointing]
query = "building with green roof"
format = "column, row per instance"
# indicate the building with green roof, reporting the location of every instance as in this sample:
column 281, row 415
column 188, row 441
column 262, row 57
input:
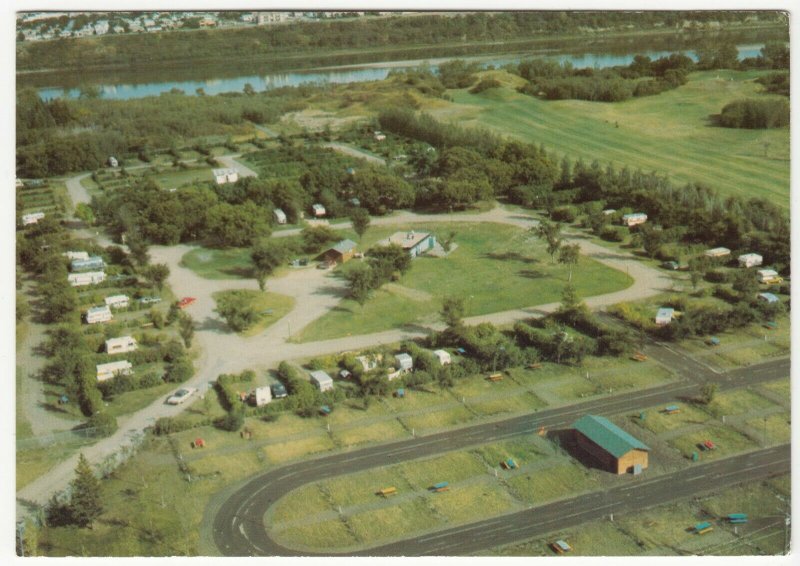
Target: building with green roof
column 616, row 450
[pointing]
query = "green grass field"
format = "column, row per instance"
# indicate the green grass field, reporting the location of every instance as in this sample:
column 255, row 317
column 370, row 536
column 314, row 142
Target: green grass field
column 668, row 133
column 270, row 307
column 495, row 257
column 230, row 263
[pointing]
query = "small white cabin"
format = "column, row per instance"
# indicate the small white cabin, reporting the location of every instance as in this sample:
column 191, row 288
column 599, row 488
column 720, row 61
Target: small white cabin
column 442, row 356
column 121, row 345
column 280, row 216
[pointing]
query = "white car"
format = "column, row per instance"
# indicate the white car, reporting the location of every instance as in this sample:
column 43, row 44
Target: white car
column 181, row 395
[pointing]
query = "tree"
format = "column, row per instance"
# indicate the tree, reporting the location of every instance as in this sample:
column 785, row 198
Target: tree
column 248, row 89
column 447, row 244
column 453, row 309
column 85, row 503
column 157, row 274
column 709, row 392
column 236, row 309
column 360, row 281
column 696, row 277
column 746, row 283
column 85, row 213
column 360, row 219
column 550, row 232
column 266, row 256
column 186, row 328
column 569, row 255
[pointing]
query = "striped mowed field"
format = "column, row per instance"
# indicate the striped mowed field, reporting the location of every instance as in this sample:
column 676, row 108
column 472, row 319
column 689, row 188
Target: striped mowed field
column 669, row 133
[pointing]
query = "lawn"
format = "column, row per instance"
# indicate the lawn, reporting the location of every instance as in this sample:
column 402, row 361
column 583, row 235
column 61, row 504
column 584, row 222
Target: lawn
column 669, row 133
column 554, row 482
column 270, row 308
column 516, row 403
column 283, row 452
column 727, row 441
column 524, row 451
column 737, row 402
column 396, row 521
column 287, row 509
column 175, row 178
column 452, row 467
column 778, row 428
column 363, row 487
column 657, row 421
column 598, row 538
column 481, row 500
column 373, row 432
column 495, row 257
column 438, row 419
column 331, row 534
column 211, row 263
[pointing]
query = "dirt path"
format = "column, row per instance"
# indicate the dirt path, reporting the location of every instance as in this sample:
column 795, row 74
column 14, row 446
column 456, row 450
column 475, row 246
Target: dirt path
column 355, row 152
column 231, row 162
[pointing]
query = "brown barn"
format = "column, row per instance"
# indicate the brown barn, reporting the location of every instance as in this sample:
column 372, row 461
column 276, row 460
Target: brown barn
column 340, row 253
column 615, row 449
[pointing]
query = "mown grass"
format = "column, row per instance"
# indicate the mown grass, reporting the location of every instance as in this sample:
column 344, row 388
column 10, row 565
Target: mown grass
column 737, row 402
column 270, row 308
column 773, row 429
column 726, row 440
column 554, row 482
column 669, row 133
column 495, row 257
column 597, row 538
column 657, row 421
column 210, row 263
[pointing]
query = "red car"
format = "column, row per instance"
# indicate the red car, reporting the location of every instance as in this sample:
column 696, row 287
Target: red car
column 709, row 445
column 186, row 301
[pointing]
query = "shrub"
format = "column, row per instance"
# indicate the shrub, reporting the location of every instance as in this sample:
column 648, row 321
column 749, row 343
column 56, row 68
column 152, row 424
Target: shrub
column 755, row 114
column 103, row 423
column 233, row 421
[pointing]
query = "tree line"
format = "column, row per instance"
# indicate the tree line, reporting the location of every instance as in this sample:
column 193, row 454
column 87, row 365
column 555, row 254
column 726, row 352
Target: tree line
column 231, row 44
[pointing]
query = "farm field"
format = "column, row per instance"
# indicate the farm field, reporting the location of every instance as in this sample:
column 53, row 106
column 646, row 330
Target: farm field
column 495, row 256
column 669, row 133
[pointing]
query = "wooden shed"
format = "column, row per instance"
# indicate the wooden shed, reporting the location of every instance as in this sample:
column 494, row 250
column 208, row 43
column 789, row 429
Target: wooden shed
column 616, row 450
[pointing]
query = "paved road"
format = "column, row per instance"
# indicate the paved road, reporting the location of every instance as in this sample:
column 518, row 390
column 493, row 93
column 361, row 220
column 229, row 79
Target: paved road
column 238, row 528
column 355, row 152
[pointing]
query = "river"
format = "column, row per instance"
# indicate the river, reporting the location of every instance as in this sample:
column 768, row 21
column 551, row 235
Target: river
column 355, row 73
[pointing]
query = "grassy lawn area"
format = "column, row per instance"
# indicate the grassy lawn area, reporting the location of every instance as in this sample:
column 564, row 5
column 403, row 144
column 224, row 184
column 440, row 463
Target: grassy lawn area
column 133, row 401
column 737, row 402
column 640, row 132
column 512, row 404
column 270, row 307
column 524, row 451
column 598, row 538
column 728, row 442
column 363, row 487
column 396, row 521
column 657, row 421
column 375, row 432
column 778, row 428
column 282, row 452
column 782, row 387
column 495, row 257
column 554, row 482
column 438, row 419
column 211, row 263
column 329, row 534
column 287, row 509
column 175, row 178
column 481, row 500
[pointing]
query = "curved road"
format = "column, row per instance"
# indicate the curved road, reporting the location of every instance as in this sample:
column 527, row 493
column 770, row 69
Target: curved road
column 238, row 528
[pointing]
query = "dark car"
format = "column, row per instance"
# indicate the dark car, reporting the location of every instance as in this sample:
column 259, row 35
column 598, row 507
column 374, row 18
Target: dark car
column 278, row 390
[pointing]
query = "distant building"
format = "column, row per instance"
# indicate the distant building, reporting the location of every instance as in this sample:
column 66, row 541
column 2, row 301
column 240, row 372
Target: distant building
column 318, row 210
column 118, row 301
column 321, row 380
column 379, row 136
column 113, row 369
column 93, row 263
column 634, row 218
column 609, row 211
column 262, row 396
column 415, row 243
column 664, row 316
column 442, row 356
column 768, row 297
column 750, row 260
column 404, row 362
column 369, row 362
column 76, row 255
column 96, row 315
column 101, row 27
column 223, row 176
column 88, row 278
column 717, row 252
column 32, row 218
column 280, row 216
column 112, row 162
column 616, row 450
column 121, row 345
column 340, row 253
column 767, row 275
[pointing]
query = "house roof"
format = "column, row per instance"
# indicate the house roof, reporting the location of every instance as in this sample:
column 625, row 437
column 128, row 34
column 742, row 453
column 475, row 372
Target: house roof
column 114, row 366
column 226, row 171
column 403, row 358
column 665, row 311
column 344, row 246
column 769, row 297
column 767, row 272
column 121, row 340
column 407, row 240
column 93, row 310
column 718, row 251
column 750, row 256
column 607, row 435
column 634, row 215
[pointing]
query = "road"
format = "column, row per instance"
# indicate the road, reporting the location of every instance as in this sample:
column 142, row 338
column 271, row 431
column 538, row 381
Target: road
column 355, row 152
column 238, row 528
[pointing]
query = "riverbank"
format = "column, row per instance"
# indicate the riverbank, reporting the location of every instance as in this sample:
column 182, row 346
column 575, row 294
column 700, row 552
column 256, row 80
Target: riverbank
column 145, row 68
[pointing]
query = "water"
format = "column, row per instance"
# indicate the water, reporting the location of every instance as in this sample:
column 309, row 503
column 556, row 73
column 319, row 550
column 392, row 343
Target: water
column 356, row 73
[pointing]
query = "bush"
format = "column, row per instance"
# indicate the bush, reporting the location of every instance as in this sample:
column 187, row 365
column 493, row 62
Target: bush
column 103, row 423
column 564, row 214
column 613, row 233
column 485, row 84
column 716, row 276
column 168, row 425
column 755, row 114
column 233, row 421
column 179, row 371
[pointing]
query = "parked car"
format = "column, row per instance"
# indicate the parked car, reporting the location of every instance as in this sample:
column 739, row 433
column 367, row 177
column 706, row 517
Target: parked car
column 186, row 301
column 278, row 390
column 149, row 300
column 181, row 395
